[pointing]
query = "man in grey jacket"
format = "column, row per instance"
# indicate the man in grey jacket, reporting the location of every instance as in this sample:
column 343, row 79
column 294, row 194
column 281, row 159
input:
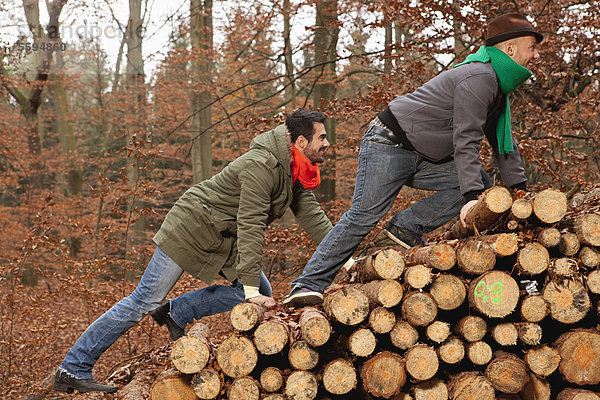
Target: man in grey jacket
column 430, row 140
column 216, row 228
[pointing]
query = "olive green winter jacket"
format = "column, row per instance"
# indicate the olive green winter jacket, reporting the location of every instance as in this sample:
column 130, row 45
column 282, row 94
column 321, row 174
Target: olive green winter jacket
column 219, row 224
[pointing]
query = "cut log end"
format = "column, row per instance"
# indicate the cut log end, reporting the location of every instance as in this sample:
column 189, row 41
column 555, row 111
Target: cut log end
column 237, row 356
column 550, row 206
column 348, row 306
column 421, row 362
column 471, row 385
column 384, row 374
column 301, row 385
column 449, row 291
column 507, row 373
column 494, row 294
column 568, row 301
column 246, row 316
column 339, row 377
column 271, row 379
column 580, row 356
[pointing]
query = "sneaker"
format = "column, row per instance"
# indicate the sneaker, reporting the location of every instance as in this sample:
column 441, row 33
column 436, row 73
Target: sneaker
column 402, row 236
column 302, row 297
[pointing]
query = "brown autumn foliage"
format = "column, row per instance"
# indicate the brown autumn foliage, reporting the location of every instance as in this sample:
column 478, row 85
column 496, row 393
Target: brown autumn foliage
column 67, row 253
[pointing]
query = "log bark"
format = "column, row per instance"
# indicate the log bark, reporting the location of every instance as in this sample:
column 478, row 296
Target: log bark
column 385, row 264
column 542, row 360
column 475, row 257
column 536, row 389
column 587, row 228
column 419, row 308
column 471, row 385
column 246, row 316
column 494, row 294
column 271, row 379
column 421, row 362
column 404, row 335
column 533, row 308
column 190, row 353
column 237, row 356
column 271, row 336
column 451, row 351
column 569, row 244
column 314, row 327
column 550, row 206
column 589, row 257
column 505, row 334
column 440, row 256
column 301, row 385
column 244, row 388
column 417, row 276
column 568, row 301
column 339, row 376
column 438, row 331
column 507, row 373
column 382, row 320
column 472, row 328
column 533, row 259
column 480, row 353
column 580, row 356
column 386, row 293
column 384, row 374
column 348, row 306
column 433, row 389
column 448, row 291
column 302, row 356
column 577, row 394
column 172, row 385
column 207, row 384
column 549, row 237
column 529, row 333
column 490, row 206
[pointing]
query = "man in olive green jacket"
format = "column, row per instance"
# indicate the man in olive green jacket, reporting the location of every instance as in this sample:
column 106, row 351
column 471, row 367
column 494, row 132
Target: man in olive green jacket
column 216, row 228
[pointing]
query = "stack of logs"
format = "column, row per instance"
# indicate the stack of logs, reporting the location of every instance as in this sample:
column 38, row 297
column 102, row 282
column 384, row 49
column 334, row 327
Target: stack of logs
column 506, row 308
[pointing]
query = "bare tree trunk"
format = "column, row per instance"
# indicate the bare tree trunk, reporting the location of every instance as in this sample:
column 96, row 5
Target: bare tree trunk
column 290, row 91
column 29, row 103
column 202, row 43
column 136, row 93
column 64, row 127
column 325, row 42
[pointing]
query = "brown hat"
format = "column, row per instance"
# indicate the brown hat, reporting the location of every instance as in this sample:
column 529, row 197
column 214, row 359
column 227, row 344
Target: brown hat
column 509, row 26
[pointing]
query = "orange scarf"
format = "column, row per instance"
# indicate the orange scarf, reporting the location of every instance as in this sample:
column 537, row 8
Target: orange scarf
column 303, row 169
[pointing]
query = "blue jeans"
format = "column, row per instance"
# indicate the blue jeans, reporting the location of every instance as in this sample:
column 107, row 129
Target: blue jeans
column 160, row 276
column 383, row 168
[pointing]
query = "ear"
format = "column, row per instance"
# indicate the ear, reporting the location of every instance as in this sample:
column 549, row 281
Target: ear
column 301, row 142
column 510, row 49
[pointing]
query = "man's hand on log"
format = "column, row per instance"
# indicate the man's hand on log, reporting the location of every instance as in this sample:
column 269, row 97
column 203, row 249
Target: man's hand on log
column 465, row 210
column 265, row 301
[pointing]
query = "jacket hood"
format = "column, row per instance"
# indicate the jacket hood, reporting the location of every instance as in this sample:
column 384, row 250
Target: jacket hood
column 278, row 142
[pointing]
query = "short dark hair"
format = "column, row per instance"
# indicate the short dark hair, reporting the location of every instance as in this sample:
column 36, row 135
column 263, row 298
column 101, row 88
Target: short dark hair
column 301, row 121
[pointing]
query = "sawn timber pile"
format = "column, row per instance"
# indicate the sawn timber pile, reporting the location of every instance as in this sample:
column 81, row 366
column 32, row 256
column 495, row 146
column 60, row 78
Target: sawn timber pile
column 505, row 308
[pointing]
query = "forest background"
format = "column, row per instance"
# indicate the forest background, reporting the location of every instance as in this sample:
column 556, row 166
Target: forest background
column 94, row 149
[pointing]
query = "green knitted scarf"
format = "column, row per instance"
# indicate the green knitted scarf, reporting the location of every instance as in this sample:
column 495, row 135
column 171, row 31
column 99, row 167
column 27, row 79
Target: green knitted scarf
column 510, row 76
